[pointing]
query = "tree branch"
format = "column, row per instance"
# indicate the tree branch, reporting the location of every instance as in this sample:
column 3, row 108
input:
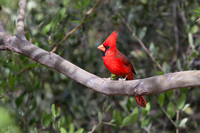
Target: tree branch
column 20, row 19
column 145, row 86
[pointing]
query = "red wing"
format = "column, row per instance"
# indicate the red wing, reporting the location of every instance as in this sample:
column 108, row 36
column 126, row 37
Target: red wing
column 127, row 62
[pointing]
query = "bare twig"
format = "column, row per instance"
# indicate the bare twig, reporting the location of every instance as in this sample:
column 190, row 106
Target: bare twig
column 140, row 42
column 168, row 116
column 175, row 26
column 20, row 19
column 77, row 27
column 23, row 70
column 164, row 111
column 177, row 119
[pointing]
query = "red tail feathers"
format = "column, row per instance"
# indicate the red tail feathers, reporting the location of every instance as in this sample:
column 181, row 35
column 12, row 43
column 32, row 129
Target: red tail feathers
column 140, row 101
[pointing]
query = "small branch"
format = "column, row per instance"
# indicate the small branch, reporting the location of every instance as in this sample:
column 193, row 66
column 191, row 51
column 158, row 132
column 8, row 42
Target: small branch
column 20, row 19
column 177, row 119
column 164, row 111
column 23, row 70
column 140, row 42
column 77, row 27
column 175, row 26
column 168, row 116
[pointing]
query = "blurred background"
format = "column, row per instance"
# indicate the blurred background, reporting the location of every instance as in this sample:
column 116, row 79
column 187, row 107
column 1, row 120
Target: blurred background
column 35, row 98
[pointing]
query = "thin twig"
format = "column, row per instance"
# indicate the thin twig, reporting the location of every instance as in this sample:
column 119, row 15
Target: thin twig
column 20, row 18
column 77, row 27
column 177, row 119
column 175, row 26
column 23, row 70
column 140, row 42
column 168, row 116
column 164, row 111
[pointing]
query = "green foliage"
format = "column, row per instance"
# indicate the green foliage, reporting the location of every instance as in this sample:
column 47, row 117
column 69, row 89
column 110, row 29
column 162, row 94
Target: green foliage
column 181, row 101
column 7, row 124
column 161, row 99
column 28, row 89
column 130, row 118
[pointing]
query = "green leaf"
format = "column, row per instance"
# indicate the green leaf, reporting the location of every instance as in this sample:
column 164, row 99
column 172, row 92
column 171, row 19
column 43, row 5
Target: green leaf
column 46, row 119
column 66, row 2
column 171, row 110
column 152, row 48
column 181, row 101
column 117, row 116
column 135, row 111
column 166, row 67
column 5, row 117
column 58, row 112
column 131, row 118
column 112, row 76
column 27, row 35
column 144, row 1
column 185, row 107
column 71, row 128
column 161, row 99
column 80, row 130
column 183, row 122
column 142, row 33
column 7, row 124
column 189, row 111
column 46, row 28
column 169, row 94
column 190, row 40
column 31, row 5
column 53, row 110
column 99, row 117
column 148, row 107
column 3, row 2
column 194, row 29
column 108, row 108
column 63, row 12
column 62, row 130
column 144, row 122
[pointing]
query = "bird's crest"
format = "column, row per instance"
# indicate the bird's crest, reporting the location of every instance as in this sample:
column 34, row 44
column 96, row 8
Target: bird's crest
column 111, row 40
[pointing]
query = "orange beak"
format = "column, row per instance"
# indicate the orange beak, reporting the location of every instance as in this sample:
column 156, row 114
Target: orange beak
column 102, row 48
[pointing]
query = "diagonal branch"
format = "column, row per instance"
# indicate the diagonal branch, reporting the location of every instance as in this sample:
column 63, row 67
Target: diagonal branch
column 20, row 19
column 77, row 27
column 152, row 85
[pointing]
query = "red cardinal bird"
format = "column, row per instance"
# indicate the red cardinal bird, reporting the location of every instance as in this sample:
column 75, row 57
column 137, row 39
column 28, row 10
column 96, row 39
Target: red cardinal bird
column 117, row 63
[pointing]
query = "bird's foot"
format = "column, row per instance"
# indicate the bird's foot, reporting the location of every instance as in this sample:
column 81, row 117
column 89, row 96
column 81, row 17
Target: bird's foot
column 122, row 79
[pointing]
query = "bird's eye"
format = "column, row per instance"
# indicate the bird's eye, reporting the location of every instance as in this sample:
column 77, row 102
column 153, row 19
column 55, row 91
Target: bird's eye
column 107, row 47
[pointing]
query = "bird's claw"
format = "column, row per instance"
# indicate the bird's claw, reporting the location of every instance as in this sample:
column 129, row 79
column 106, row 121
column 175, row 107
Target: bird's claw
column 122, row 79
